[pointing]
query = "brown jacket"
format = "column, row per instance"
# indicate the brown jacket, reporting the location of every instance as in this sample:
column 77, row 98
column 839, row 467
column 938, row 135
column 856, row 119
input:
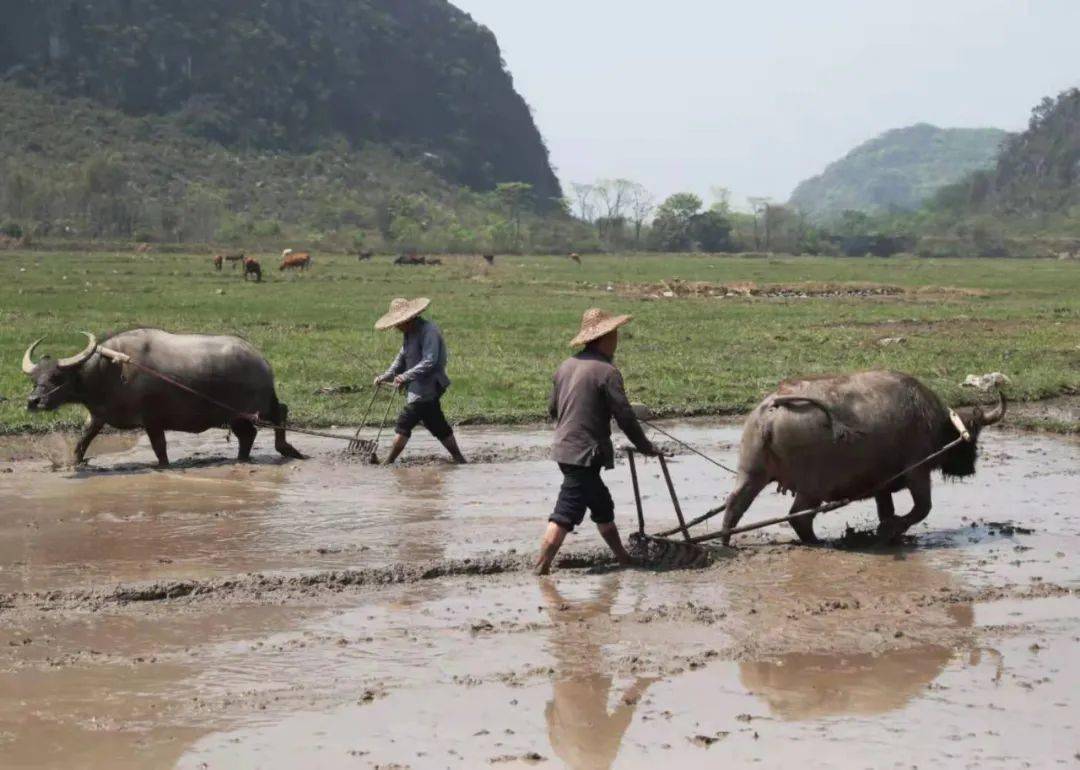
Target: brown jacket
column 587, row 393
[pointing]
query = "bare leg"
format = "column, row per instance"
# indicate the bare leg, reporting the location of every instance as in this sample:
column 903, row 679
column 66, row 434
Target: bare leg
column 749, row 486
column 94, row 428
column 399, row 444
column 245, row 437
column 554, row 536
column 804, row 525
column 157, row 441
column 610, row 533
column 450, row 442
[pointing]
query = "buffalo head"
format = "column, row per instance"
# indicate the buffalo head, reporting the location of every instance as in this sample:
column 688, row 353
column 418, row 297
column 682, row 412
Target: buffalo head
column 54, row 379
column 960, row 460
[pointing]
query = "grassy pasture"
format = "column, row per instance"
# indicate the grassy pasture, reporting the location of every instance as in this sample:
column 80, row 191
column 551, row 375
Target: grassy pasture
column 508, row 325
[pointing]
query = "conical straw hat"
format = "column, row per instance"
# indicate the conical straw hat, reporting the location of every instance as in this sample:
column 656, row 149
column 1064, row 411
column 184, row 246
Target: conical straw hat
column 401, row 310
column 595, row 323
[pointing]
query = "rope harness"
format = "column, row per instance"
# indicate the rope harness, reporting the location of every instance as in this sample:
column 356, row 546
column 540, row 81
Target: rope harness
column 355, row 443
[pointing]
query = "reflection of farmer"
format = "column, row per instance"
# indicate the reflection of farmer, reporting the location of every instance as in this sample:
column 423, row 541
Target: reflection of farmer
column 581, row 730
column 587, row 393
column 420, row 368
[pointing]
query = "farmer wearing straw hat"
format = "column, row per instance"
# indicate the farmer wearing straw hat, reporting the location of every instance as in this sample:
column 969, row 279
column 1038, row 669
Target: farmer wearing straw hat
column 588, row 392
column 420, row 368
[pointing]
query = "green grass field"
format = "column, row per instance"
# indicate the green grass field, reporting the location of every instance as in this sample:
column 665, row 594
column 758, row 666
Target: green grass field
column 508, row 326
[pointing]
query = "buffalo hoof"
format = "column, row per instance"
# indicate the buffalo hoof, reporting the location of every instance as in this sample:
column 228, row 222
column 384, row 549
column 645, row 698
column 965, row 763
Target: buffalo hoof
column 890, row 532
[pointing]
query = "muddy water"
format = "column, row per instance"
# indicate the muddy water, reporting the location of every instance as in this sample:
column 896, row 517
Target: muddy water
column 956, row 650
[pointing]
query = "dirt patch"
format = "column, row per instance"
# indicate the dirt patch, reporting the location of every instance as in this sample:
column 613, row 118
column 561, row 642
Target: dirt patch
column 679, row 289
column 1061, row 414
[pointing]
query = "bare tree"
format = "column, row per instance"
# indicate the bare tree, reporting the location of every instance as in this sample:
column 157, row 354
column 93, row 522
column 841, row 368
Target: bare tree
column 721, row 198
column 613, row 195
column 642, row 205
column 759, row 205
column 583, row 198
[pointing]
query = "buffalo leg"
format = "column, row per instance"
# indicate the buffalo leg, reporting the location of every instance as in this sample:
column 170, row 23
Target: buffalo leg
column 886, row 513
column 804, row 525
column 918, row 483
column 885, row 508
column 157, row 442
column 283, row 447
column 748, row 488
column 245, row 437
column 88, row 435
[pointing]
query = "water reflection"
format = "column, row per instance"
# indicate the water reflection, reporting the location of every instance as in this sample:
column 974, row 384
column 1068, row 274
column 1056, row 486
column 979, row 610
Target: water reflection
column 581, row 729
column 848, row 680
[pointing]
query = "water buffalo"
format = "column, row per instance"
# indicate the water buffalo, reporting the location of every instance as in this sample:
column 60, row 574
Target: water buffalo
column 842, row 437
column 227, row 369
column 252, row 269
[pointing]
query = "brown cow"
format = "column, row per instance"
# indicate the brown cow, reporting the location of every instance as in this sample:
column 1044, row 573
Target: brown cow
column 576, row 258
column 217, row 262
column 292, row 260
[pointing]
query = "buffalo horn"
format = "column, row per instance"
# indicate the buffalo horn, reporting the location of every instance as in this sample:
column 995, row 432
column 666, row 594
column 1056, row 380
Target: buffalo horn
column 28, row 357
column 67, row 363
column 995, row 414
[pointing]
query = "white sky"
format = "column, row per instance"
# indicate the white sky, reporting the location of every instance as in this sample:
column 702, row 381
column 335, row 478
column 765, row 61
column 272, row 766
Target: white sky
column 758, row 95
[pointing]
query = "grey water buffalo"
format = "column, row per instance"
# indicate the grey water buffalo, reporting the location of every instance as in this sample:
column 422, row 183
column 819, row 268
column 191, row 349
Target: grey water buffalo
column 236, row 383
column 837, row 438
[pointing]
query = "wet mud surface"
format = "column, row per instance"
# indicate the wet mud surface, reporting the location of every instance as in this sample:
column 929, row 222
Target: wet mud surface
column 333, row 614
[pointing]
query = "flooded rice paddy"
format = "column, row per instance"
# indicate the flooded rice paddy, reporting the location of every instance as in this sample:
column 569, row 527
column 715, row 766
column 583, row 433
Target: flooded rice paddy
column 328, row 613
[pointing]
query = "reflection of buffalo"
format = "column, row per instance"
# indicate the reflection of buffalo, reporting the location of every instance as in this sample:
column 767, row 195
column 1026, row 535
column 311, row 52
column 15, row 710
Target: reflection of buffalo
column 808, row 685
column 830, row 661
column 582, row 731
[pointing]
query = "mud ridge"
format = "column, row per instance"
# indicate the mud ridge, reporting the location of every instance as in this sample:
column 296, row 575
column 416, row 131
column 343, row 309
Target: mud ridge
column 258, row 586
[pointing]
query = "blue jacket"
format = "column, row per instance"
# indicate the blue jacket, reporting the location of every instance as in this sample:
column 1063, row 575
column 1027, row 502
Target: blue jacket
column 422, row 361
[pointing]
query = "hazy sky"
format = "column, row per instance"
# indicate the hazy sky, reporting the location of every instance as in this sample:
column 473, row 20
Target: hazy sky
column 758, row 95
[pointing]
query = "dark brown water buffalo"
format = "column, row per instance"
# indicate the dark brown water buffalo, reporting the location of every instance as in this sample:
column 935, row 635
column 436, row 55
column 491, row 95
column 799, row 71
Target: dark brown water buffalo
column 838, row 438
column 227, row 369
column 252, row 269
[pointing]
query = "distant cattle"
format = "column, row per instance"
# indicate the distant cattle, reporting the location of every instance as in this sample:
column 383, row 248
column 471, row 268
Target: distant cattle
column 295, row 260
column 489, row 258
column 252, row 269
column 410, row 259
column 364, row 256
column 575, row 257
column 217, row 262
column 234, row 259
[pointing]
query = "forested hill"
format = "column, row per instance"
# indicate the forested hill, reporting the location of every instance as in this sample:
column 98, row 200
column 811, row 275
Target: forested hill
column 1038, row 170
column 419, row 76
column 897, row 170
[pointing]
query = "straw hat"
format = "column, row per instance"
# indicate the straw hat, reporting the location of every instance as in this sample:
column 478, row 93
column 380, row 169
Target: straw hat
column 595, row 323
column 402, row 310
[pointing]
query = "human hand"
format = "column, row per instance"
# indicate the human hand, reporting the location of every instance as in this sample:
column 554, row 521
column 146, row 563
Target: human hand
column 400, row 381
column 379, row 380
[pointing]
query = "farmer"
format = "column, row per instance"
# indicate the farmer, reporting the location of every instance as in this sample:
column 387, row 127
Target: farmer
column 420, row 368
column 588, row 392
